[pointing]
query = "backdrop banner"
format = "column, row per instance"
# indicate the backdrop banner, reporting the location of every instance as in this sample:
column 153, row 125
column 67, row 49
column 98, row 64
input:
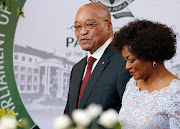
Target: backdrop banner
column 38, row 52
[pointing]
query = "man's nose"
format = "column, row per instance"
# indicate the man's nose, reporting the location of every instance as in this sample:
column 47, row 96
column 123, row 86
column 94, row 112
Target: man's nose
column 83, row 30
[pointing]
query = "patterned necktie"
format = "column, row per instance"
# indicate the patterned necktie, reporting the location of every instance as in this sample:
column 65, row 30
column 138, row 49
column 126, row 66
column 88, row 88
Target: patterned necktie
column 91, row 60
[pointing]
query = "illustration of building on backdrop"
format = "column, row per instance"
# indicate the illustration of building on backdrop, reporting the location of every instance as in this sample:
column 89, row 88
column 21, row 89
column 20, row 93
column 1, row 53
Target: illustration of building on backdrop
column 40, row 72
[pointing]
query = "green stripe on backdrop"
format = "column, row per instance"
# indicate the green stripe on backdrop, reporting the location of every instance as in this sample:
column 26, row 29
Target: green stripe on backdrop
column 9, row 95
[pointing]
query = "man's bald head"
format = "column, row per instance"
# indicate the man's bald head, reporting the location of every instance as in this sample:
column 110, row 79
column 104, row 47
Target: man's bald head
column 101, row 10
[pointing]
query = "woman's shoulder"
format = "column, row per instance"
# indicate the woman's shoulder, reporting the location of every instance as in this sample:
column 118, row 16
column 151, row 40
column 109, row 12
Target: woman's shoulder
column 172, row 88
column 174, row 98
column 175, row 89
column 175, row 83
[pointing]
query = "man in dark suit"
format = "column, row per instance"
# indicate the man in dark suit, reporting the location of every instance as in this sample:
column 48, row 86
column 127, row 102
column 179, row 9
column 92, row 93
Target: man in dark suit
column 108, row 76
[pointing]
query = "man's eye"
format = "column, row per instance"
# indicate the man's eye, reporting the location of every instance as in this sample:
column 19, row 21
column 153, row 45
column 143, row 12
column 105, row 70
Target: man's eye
column 90, row 24
column 77, row 26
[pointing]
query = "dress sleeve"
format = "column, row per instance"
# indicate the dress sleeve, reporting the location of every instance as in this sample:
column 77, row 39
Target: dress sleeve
column 173, row 111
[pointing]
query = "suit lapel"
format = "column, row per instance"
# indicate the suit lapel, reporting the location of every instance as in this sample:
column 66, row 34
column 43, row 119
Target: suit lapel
column 76, row 83
column 103, row 62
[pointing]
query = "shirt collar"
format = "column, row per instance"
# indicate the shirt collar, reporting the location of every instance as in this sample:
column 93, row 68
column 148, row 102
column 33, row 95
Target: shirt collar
column 99, row 52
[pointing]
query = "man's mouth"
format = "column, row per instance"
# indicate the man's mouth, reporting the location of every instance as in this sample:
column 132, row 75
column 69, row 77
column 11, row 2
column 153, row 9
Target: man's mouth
column 84, row 40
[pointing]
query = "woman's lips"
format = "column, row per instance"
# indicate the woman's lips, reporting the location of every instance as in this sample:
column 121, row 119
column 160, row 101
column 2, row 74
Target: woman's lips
column 132, row 73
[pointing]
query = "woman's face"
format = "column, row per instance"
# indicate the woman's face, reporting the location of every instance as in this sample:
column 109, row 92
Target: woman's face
column 138, row 68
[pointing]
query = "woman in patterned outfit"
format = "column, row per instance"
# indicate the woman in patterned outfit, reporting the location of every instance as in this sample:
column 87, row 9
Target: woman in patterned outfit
column 152, row 96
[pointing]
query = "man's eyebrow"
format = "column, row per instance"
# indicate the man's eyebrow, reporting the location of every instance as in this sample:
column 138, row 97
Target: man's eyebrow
column 86, row 20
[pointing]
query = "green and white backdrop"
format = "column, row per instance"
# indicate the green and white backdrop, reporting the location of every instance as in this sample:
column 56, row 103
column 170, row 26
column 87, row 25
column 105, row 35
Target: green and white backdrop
column 37, row 52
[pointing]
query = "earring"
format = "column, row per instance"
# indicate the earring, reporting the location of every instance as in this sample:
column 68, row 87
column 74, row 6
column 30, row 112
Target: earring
column 154, row 64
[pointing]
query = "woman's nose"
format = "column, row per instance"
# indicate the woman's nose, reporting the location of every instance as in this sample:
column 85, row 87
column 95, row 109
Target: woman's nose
column 128, row 65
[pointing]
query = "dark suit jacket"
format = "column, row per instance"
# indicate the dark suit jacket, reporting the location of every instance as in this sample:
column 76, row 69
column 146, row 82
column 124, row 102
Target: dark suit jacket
column 105, row 85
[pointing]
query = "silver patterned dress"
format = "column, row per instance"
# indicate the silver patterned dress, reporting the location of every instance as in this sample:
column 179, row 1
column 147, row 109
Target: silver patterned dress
column 155, row 110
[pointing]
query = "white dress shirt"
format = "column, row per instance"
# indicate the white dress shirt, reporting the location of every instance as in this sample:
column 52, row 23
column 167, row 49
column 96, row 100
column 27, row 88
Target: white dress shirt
column 98, row 54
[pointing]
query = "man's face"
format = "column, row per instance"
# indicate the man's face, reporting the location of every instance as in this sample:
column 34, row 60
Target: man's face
column 91, row 40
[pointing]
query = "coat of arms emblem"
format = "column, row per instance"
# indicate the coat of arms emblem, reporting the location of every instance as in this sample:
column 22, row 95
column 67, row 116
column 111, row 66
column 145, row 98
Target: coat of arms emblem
column 118, row 8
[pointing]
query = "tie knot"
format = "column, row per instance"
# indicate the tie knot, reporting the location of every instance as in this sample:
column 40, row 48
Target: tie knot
column 91, row 60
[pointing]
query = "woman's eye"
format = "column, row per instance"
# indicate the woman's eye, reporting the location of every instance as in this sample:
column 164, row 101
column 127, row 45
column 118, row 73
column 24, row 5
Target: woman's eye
column 132, row 61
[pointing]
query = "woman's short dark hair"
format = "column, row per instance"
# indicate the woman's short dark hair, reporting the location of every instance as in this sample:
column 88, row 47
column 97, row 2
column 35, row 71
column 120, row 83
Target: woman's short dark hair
column 147, row 40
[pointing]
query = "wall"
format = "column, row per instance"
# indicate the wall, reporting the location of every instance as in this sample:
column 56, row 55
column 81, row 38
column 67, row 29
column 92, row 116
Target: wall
column 38, row 51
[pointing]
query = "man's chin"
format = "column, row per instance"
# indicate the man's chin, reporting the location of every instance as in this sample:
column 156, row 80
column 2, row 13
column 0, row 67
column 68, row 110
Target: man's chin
column 85, row 49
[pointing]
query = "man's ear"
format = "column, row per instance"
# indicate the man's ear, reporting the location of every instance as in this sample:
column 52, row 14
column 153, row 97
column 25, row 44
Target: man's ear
column 109, row 25
column 110, row 29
